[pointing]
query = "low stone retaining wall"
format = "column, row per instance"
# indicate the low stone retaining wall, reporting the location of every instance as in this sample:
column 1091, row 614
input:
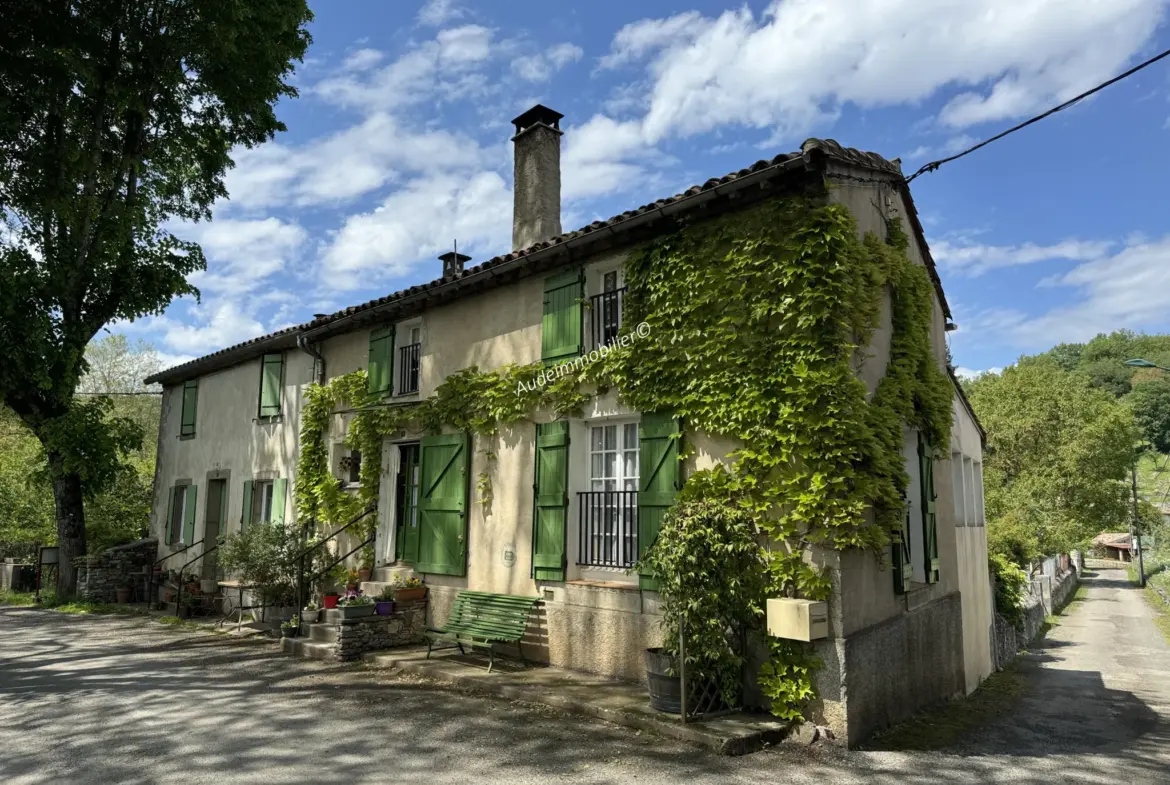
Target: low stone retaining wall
column 1046, row 597
column 406, row 625
column 123, row 565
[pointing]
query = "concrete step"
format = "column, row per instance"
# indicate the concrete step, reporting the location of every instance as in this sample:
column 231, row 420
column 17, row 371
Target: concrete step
column 374, row 588
column 322, row 633
column 386, row 573
column 303, row 647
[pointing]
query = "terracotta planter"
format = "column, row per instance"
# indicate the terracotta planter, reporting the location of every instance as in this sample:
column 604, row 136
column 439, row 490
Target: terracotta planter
column 330, row 600
column 364, row 574
column 352, row 587
column 409, row 595
column 122, row 593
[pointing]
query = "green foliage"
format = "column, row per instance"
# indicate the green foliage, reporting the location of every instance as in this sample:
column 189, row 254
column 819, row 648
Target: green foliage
column 1010, row 584
column 118, row 122
column 1057, row 457
column 1010, row 536
column 712, row 578
column 1150, row 403
column 264, row 555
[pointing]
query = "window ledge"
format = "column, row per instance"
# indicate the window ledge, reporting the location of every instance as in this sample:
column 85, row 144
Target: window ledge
column 604, row 585
column 407, row 395
column 272, row 420
column 186, row 437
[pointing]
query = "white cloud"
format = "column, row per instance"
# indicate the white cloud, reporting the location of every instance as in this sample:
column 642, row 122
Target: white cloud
column 975, row 259
column 362, row 60
column 420, row 219
column 1127, row 289
column 541, row 66
column 602, row 155
column 967, row 373
column 215, row 328
column 241, row 254
column 801, row 61
column 438, row 12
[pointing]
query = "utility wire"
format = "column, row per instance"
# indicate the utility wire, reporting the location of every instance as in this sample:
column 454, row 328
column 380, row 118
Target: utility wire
column 933, row 165
column 147, row 392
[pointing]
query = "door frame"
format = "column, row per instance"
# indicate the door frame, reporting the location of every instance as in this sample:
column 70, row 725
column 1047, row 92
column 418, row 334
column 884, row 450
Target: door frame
column 209, row 564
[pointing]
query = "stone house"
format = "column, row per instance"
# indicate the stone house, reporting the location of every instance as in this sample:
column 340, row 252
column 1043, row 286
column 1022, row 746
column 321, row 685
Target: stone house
column 572, row 499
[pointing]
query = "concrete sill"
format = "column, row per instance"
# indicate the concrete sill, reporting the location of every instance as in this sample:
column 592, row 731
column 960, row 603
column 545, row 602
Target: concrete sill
column 604, row 585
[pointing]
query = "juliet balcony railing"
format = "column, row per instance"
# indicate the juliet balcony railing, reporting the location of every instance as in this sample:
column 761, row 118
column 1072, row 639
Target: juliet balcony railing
column 608, row 528
column 606, row 320
column 408, row 364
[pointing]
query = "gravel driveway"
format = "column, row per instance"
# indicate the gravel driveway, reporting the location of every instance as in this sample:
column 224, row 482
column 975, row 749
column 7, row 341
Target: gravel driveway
column 125, row 700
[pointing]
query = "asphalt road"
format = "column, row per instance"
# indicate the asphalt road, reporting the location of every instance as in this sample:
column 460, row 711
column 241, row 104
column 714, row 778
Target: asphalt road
column 124, row 700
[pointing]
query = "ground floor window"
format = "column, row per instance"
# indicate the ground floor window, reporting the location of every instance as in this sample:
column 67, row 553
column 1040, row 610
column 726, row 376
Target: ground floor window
column 608, row 510
column 262, row 492
column 178, row 515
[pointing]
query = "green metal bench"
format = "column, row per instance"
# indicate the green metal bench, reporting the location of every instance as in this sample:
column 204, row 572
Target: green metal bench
column 481, row 619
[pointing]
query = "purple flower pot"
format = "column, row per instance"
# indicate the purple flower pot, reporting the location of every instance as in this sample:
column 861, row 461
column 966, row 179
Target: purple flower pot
column 384, row 608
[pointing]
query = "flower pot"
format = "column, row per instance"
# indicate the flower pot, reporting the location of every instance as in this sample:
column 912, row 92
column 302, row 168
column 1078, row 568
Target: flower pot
column 352, row 587
column 409, row 595
column 122, row 593
column 192, row 588
column 208, row 585
column 356, row 611
column 310, row 616
column 384, row 607
column 288, row 632
column 330, row 600
column 168, row 594
column 364, row 574
column 665, row 690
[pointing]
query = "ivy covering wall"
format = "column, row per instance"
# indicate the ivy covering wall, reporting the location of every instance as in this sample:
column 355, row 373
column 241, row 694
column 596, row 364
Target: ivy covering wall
column 758, row 325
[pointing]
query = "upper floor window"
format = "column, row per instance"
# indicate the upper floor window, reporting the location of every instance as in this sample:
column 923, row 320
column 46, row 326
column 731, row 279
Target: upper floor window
column 379, row 369
column 409, row 360
column 190, row 401
column 606, row 309
column 609, row 509
column 271, row 378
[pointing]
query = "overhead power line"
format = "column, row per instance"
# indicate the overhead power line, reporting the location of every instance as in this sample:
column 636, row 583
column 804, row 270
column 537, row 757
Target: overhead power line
column 933, row 165
column 145, row 392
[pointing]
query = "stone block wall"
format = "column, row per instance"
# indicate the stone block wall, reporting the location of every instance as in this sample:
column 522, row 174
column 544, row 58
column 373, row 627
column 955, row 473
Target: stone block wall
column 1046, row 596
column 406, row 625
column 99, row 576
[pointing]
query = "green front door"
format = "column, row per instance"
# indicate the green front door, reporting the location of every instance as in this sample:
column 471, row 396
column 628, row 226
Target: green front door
column 442, row 504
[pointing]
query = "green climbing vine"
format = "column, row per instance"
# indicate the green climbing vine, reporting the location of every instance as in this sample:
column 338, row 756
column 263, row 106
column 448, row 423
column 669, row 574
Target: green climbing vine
column 758, row 325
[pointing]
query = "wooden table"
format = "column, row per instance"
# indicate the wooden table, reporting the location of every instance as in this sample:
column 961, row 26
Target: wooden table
column 239, row 606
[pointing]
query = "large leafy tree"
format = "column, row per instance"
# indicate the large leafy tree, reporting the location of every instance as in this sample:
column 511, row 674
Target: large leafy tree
column 116, row 117
column 1058, row 454
column 1150, row 402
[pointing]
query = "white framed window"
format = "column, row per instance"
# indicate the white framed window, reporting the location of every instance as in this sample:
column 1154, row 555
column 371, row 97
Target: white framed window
column 262, row 491
column 178, row 514
column 610, row 510
column 605, row 307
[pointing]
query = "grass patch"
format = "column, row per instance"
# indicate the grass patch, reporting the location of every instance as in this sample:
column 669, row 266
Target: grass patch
column 17, row 599
column 945, row 725
column 50, row 602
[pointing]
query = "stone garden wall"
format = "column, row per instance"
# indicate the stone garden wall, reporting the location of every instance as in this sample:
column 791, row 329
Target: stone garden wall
column 123, row 565
column 406, row 625
column 1047, row 595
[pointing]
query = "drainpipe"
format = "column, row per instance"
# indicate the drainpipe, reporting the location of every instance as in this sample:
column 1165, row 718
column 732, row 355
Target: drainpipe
column 318, row 361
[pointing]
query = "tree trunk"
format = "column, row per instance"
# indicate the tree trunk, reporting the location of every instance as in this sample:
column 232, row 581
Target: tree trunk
column 70, row 529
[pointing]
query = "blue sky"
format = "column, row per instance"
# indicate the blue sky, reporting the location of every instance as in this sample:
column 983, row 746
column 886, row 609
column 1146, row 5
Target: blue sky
column 398, row 144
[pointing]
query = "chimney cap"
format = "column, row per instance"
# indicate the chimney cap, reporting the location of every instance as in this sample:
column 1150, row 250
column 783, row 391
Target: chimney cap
column 538, row 114
column 454, row 256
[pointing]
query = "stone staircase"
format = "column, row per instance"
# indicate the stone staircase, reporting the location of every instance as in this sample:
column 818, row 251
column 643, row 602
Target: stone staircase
column 383, row 577
column 338, row 639
column 317, row 641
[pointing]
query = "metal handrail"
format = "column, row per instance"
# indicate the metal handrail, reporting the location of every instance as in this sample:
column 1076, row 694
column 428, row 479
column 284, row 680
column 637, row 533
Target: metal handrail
column 179, row 593
column 300, row 557
column 150, row 585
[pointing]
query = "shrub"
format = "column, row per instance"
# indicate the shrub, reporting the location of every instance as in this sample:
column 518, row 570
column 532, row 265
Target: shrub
column 264, row 555
column 1010, row 583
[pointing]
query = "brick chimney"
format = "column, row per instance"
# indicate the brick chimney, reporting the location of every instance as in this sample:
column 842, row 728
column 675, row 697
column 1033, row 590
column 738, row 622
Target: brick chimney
column 537, row 194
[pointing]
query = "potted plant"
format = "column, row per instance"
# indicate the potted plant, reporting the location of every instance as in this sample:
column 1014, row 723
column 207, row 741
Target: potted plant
column 355, row 606
column 364, row 572
column 352, row 580
column 329, row 599
column 186, row 610
column 409, row 589
column 192, row 583
column 311, row 613
column 289, row 627
column 122, row 594
column 384, row 604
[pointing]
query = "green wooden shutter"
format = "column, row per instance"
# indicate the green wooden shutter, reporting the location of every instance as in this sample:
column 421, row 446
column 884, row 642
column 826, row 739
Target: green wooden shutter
column 381, row 362
column 190, row 398
column 189, row 516
column 659, row 441
column 442, row 506
column 561, row 331
column 270, row 380
column 246, row 510
column 903, row 563
column 279, row 491
column 551, row 491
column 929, row 518
column 169, row 533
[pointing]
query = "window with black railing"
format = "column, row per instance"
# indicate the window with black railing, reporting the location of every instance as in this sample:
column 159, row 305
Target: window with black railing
column 606, row 310
column 408, row 365
column 609, row 528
